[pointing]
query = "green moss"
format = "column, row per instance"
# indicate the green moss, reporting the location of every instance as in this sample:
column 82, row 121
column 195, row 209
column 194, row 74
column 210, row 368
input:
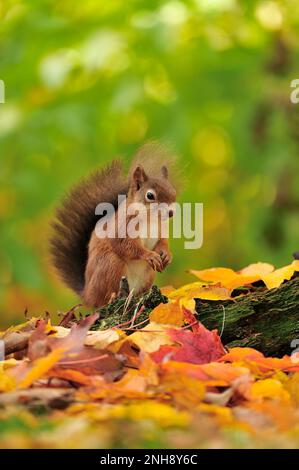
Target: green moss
column 122, row 310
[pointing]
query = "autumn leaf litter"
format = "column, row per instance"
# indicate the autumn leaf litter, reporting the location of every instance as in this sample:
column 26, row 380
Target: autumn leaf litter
column 169, row 382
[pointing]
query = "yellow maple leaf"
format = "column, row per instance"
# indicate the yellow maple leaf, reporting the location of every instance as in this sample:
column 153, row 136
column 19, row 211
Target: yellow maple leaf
column 276, row 278
column 254, row 272
column 269, row 388
column 200, row 291
column 231, row 279
column 151, row 337
column 225, row 277
column 168, row 314
column 257, row 269
column 40, row 367
column 188, row 304
column 222, row 275
column 7, row 382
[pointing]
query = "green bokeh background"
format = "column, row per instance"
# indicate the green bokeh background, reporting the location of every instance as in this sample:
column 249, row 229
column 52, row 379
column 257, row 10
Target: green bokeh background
column 86, row 81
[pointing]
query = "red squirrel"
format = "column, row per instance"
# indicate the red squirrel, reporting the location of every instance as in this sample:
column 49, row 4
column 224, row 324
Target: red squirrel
column 93, row 266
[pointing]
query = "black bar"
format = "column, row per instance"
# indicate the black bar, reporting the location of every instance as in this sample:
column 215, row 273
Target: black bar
column 125, row 458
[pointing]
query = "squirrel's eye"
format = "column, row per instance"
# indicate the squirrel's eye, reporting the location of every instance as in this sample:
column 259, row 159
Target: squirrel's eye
column 150, row 196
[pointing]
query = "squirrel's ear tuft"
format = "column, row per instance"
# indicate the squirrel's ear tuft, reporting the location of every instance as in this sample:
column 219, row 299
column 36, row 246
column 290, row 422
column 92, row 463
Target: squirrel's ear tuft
column 164, row 171
column 139, row 175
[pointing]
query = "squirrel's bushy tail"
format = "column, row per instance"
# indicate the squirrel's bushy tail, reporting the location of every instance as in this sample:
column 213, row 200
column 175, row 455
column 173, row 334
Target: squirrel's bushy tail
column 76, row 219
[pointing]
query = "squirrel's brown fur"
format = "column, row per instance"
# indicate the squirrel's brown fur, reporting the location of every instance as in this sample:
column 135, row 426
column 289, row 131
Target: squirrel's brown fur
column 76, row 219
column 93, row 267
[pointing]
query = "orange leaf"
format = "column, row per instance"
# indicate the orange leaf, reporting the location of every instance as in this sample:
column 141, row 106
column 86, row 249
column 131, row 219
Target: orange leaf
column 226, row 277
column 70, row 374
column 165, row 290
column 226, row 372
column 256, row 361
column 214, row 274
column 168, row 314
column 213, row 374
column 151, row 337
column 187, row 392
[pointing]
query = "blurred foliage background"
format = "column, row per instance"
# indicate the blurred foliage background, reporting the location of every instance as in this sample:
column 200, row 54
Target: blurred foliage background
column 86, row 81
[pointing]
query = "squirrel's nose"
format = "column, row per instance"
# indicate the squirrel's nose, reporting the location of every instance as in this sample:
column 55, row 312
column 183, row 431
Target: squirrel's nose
column 170, row 213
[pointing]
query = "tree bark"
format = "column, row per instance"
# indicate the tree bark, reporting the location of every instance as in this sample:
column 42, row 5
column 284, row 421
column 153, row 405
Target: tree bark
column 267, row 321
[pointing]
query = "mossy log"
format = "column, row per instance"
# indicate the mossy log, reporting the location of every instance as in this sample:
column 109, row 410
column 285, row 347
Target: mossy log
column 267, row 320
column 264, row 320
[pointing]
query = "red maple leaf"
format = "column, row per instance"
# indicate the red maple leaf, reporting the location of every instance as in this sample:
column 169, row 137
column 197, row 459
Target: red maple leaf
column 200, row 347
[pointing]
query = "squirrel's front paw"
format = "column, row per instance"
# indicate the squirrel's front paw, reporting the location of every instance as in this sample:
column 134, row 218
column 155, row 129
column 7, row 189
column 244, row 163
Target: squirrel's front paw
column 166, row 257
column 154, row 260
